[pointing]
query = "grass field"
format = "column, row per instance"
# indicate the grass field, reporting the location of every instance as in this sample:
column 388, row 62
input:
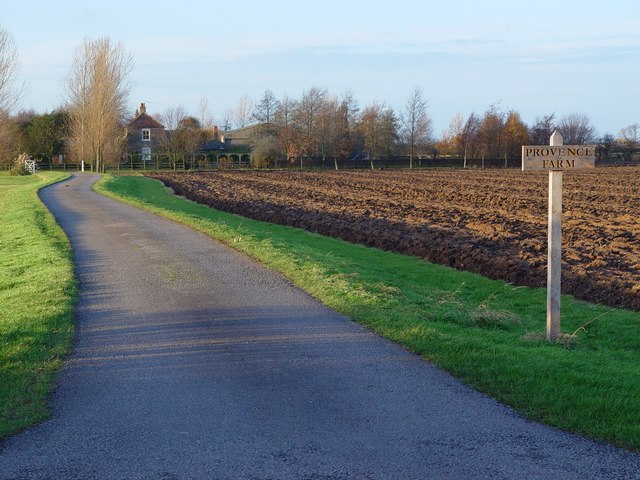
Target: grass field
column 37, row 294
column 485, row 332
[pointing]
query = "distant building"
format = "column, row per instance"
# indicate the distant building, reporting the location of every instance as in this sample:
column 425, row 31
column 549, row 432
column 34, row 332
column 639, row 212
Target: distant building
column 232, row 142
column 144, row 134
column 240, row 136
column 213, row 146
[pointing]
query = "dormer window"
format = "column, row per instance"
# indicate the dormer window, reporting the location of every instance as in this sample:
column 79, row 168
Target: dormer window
column 146, row 134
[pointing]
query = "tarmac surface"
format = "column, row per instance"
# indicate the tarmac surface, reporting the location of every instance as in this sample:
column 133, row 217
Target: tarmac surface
column 193, row 362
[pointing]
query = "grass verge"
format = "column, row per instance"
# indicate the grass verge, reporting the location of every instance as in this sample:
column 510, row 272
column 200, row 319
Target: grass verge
column 488, row 333
column 37, row 296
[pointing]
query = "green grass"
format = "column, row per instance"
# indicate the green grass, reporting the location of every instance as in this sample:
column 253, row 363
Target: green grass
column 487, row 333
column 37, row 295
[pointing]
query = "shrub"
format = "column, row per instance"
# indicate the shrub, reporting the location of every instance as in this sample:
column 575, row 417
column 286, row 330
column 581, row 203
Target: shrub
column 21, row 165
column 265, row 153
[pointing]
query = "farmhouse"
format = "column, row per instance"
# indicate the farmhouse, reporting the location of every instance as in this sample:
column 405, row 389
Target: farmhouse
column 144, row 134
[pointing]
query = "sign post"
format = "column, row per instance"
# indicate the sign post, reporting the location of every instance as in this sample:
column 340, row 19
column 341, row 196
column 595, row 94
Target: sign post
column 556, row 158
column 554, row 240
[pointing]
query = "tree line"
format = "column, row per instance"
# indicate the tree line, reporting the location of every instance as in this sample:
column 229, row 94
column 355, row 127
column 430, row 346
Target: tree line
column 335, row 129
column 91, row 125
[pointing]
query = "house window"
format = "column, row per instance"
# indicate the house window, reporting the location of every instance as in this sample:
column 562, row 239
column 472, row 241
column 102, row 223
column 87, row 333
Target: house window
column 146, row 134
column 146, row 154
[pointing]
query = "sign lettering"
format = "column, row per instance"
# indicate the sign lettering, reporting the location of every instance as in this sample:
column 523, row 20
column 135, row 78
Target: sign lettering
column 564, row 158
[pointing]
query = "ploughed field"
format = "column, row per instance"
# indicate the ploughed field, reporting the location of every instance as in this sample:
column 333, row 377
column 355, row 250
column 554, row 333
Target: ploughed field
column 493, row 222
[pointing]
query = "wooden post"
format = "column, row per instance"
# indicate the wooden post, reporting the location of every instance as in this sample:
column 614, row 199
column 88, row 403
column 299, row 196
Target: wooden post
column 554, row 261
column 556, row 158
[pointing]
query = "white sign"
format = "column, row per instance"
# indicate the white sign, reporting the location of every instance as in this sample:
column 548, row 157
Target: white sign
column 558, row 157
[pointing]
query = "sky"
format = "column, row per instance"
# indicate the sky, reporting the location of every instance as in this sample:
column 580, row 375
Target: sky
column 537, row 58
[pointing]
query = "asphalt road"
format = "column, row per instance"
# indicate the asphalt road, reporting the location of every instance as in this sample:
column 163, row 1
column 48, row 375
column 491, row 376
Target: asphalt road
column 194, row 362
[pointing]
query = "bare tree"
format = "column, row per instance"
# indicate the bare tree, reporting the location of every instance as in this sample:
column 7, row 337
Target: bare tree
column 631, row 134
column 205, row 121
column 182, row 136
column 97, row 94
column 242, row 112
column 514, row 135
column 10, row 91
column 576, row 129
column 347, row 123
column 328, row 135
column 605, row 144
column 490, row 133
column 469, row 136
column 388, row 132
column 204, row 117
column 630, row 140
column 286, row 129
column 370, row 130
column 283, row 116
column 227, row 119
column 449, row 142
column 173, row 116
column 416, row 124
column 541, row 131
column 264, row 112
column 306, row 119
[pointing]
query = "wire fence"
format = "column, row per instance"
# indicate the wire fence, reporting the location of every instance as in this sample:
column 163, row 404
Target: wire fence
column 243, row 162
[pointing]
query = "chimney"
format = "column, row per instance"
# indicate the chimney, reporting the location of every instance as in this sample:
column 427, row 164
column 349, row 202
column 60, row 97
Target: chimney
column 143, row 109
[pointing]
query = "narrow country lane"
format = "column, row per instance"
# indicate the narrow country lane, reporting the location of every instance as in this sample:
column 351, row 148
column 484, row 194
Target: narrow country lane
column 193, row 362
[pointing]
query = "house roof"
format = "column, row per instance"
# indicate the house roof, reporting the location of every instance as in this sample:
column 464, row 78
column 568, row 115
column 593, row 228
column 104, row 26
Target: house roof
column 243, row 132
column 211, row 146
column 144, row 120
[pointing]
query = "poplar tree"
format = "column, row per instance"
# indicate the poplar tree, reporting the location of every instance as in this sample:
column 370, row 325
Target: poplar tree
column 97, row 94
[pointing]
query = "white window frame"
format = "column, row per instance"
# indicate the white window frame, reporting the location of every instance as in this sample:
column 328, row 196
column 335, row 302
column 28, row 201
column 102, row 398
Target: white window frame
column 146, row 134
column 146, row 154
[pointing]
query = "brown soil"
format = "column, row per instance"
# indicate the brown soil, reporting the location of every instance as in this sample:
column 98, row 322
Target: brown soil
column 493, row 222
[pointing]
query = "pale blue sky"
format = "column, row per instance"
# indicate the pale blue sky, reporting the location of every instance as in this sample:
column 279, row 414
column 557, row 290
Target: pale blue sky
column 535, row 57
